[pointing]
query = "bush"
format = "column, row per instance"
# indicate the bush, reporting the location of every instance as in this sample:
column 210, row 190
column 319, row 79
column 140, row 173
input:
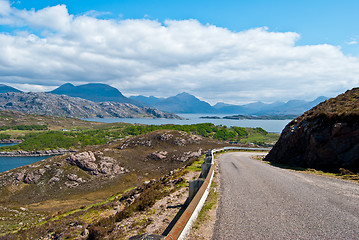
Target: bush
column 4, row 136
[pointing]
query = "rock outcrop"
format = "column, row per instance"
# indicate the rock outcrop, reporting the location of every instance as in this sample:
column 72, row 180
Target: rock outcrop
column 20, row 153
column 104, row 165
column 325, row 137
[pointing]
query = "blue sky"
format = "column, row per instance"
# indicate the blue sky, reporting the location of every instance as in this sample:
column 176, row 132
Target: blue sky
column 257, row 50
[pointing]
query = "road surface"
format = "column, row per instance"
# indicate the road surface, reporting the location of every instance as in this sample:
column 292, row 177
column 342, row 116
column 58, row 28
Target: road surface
column 259, row 201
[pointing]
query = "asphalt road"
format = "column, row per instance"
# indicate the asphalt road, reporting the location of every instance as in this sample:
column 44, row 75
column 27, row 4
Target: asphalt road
column 259, row 201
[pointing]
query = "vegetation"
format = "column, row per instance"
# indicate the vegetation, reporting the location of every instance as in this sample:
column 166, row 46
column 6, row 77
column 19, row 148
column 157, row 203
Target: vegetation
column 94, row 216
column 208, row 205
column 345, row 106
column 46, row 140
column 342, row 174
column 220, row 132
column 24, row 127
column 4, row 136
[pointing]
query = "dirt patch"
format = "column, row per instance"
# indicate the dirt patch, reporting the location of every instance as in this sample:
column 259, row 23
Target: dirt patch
column 156, row 219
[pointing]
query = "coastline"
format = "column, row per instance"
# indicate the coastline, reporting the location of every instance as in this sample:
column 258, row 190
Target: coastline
column 10, row 141
column 20, row 153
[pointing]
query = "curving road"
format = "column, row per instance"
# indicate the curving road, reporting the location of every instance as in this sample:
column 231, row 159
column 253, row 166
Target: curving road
column 259, row 201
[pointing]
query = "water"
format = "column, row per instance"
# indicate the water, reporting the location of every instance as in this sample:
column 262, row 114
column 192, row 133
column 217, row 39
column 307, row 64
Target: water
column 275, row 126
column 8, row 144
column 7, row 163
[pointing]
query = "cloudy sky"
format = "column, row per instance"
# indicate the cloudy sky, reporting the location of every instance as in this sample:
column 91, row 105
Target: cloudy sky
column 233, row 51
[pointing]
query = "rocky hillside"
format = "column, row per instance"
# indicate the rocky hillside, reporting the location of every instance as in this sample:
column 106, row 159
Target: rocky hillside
column 73, row 181
column 65, row 106
column 325, row 137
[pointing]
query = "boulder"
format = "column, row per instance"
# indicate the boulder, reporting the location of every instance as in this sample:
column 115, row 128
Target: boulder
column 84, row 160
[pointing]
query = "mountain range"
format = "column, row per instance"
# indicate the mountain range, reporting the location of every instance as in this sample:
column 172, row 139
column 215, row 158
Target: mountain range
column 181, row 103
column 66, row 106
column 187, row 103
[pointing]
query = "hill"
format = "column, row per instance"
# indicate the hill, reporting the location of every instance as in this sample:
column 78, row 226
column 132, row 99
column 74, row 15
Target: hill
column 65, row 106
column 68, row 195
column 6, row 89
column 95, row 92
column 326, row 137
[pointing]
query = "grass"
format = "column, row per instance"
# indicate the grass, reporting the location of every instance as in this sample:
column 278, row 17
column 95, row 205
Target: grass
column 88, row 213
column 344, row 174
column 195, row 166
column 208, row 205
column 260, row 139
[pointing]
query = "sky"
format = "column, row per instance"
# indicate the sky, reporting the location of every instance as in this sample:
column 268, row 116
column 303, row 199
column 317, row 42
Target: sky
column 231, row 51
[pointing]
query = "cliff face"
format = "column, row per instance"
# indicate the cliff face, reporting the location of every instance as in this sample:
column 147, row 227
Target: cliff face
column 65, row 106
column 325, row 137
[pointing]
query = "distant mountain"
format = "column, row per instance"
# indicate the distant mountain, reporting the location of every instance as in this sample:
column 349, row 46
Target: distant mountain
column 150, row 101
column 65, row 106
column 6, row 89
column 96, row 92
column 184, row 103
column 292, row 107
column 225, row 108
column 181, row 103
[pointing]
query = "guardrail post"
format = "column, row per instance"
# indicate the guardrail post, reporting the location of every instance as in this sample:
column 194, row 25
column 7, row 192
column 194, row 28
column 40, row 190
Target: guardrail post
column 208, row 159
column 205, row 169
column 194, row 185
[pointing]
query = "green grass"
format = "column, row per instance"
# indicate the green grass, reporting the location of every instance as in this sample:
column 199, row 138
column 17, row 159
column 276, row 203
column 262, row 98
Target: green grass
column 260, row 138
column 195, row 166
column 208, row 205
column 76, row 138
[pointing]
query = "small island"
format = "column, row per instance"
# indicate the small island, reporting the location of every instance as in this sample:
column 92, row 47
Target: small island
column 210, row 117
column 264, row 117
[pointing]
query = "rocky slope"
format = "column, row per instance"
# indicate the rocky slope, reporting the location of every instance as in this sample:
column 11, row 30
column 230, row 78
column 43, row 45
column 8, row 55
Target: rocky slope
column 93, row 174
column 65, row 106
column 325, row 137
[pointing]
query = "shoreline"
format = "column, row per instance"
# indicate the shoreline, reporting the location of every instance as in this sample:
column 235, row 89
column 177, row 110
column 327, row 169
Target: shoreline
column 20, row 153
column 10, row 141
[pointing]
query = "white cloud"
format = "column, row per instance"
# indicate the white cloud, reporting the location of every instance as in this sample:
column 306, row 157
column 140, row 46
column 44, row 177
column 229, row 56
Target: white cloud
column 353, row 42
column 142, row 56
column 4, row 8
column 54, row 18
